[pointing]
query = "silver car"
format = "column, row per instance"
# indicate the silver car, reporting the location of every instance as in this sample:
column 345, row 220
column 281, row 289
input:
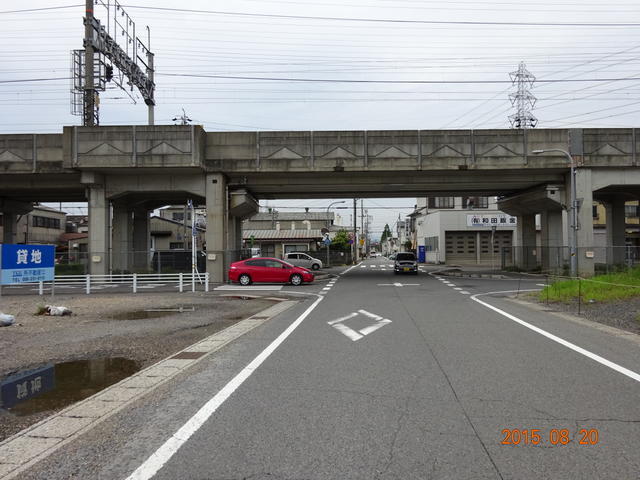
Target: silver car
column 303, row 260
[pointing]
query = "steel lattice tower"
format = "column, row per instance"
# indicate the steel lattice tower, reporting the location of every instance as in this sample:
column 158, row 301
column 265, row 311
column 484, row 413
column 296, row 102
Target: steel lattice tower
column 522, row 99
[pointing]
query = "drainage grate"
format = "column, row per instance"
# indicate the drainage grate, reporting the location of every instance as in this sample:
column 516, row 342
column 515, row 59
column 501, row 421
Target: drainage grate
column 188, row 355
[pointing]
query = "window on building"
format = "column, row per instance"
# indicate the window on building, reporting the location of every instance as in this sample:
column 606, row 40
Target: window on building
column 268, row 250
column 441, row 202
column 475, row 202
column 177, row 216
column 631, row 211
column 431, row 244
column 45, row 222
column 295, row 248
column 176, row 246
column 594, row 211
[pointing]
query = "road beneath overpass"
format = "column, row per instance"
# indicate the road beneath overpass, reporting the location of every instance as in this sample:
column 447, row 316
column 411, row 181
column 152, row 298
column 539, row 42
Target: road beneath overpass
column 384, row 376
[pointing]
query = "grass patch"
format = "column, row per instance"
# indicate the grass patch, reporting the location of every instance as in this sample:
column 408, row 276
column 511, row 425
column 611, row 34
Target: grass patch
column 619, row 286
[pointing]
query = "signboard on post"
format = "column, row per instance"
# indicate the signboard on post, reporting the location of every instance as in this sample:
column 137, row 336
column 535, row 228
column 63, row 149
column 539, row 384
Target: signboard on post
column 26, row 263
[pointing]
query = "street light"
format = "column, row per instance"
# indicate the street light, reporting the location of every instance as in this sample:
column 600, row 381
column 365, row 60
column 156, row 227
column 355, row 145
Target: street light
column 329, row 225
column 573, row 247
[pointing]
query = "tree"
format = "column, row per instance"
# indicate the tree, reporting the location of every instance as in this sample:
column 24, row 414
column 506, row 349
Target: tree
column 340, row 241
column 386, row 233
column 408, row 245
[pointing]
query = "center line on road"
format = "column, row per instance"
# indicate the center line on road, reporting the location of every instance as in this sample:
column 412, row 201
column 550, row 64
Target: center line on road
column 614, row 366
column 162, row 455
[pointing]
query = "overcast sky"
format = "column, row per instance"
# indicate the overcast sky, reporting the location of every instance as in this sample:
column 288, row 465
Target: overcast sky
column 201, row 53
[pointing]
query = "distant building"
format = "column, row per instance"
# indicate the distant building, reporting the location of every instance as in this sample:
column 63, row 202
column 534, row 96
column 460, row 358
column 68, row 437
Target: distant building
column 168, row 234
column 276, row 233
column 77, row 224
column 42, row 225
column 463, row 230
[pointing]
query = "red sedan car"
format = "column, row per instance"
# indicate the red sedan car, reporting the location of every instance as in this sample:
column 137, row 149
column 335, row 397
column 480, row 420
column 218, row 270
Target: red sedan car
column 269, row 270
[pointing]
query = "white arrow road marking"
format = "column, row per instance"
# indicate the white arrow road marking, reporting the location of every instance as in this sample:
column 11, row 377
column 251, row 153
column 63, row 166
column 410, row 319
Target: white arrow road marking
column 354, row 335
column 396, row 284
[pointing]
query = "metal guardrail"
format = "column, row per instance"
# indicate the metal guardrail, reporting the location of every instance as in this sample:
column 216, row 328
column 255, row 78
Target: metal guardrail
column 135, row 280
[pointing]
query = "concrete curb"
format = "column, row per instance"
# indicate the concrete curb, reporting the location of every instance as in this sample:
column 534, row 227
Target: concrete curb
column 35, row 443
column 472, row 275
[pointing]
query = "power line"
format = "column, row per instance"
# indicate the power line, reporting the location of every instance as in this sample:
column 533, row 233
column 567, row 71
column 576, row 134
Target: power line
column 379, row 20
column 400, row 82
column 41, row 9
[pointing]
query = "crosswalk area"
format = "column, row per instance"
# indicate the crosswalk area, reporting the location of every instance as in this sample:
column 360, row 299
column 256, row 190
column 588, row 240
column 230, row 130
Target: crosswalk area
column 383, row 267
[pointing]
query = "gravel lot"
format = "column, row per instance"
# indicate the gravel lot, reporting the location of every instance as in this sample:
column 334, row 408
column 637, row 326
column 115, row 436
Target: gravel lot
column 624, row 314
column 105, row 326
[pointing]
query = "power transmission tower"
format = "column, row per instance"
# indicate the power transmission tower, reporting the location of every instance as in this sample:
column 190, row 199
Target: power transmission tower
column 522, row 98
column 116, row 42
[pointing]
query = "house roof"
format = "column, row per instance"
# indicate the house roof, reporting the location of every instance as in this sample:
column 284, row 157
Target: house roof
column 292, row 216
column 65, row 237
column 182, row 224
column 313, row 234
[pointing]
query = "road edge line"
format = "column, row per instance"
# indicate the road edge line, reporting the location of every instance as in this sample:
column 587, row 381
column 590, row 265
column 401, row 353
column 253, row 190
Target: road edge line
column 572, row 346
column 163, row 454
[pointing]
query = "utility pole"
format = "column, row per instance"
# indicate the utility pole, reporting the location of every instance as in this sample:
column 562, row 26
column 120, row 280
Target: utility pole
column 150, row 71
column 89, row 97
column 355, row 231
column 364, row 252
column 522, row 99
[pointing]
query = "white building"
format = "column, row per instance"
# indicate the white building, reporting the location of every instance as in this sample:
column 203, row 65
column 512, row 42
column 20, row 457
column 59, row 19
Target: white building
column 464, row 230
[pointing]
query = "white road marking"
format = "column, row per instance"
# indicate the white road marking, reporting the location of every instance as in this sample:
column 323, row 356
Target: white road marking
column 542, row 285
column 163, row 454
column 464, row 292
column 326, row 288
column 603, row 361
column 396, row 284
column 249, row 287
column 348, row 332
column 457, row 288
column 348, row 269
column 357, row 335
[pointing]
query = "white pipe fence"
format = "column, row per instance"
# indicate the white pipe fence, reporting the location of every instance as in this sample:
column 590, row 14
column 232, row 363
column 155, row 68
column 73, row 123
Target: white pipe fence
column 136, row 281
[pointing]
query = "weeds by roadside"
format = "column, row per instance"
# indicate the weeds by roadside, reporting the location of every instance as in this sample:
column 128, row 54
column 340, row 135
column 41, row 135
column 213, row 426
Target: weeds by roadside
column 601, row 288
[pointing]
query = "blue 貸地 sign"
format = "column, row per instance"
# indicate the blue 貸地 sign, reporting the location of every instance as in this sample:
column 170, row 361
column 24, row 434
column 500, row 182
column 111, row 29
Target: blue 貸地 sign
column 26, row 263
column 23, row 386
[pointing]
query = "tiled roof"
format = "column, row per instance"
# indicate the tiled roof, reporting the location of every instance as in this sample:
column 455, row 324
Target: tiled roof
column 293, row 216
column 313, row 234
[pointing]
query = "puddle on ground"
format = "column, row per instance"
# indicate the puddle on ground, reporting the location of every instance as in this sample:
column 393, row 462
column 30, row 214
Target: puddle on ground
column 140, row 315
column 77, row 380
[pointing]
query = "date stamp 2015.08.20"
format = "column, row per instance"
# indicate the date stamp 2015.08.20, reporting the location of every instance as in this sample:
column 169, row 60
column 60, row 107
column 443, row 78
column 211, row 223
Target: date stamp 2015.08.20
column 554, row 436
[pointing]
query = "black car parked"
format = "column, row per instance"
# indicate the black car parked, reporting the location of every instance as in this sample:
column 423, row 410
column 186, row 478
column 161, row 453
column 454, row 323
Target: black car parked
column 405, row 262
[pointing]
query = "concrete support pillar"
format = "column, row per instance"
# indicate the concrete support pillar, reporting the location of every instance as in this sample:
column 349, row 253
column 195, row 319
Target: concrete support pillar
column 99, row 233
column 9, row 226
column 525, row 242
column 553, row 252
column 616, row 232
column 142, row 239
column 584, row 193
column 216, row 236
column 122, row 238
column 234, row 233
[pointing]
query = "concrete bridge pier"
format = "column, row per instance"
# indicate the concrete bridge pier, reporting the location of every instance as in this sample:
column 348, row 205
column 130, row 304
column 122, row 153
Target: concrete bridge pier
column 122, row 236
column 525, row 254
column 553, row 248
column 615, row 213
column 11, row 210
column 217, row 225
column 584, row 194
column 141, row 239
column 99, row 233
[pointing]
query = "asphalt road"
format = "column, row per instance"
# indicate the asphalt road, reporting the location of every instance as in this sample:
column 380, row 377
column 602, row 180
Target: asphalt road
column 387, row 377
